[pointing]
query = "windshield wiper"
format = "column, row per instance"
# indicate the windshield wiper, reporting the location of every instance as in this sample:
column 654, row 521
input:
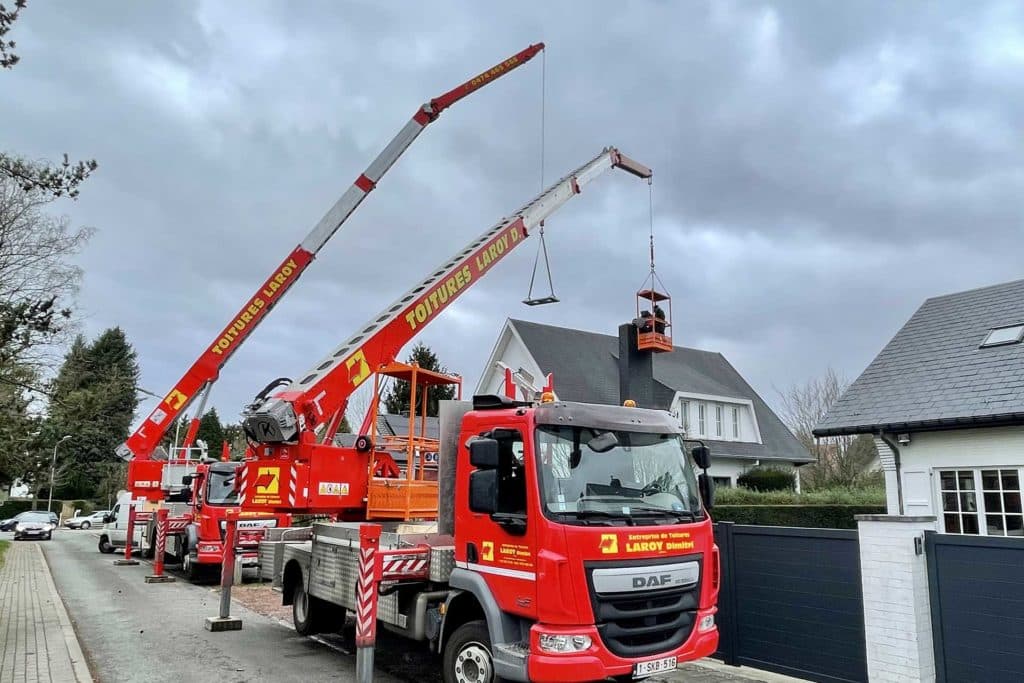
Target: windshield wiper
column 583, row 514
column 649, row 509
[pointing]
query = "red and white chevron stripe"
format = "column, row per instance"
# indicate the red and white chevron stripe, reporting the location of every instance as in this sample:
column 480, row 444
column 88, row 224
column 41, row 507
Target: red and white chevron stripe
column 243, row 484
column 405, row 565
column 291, row 486
column 366, row 598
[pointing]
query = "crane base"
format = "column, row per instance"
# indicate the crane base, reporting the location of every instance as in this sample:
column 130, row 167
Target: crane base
column 216, row 624
column 159, row 579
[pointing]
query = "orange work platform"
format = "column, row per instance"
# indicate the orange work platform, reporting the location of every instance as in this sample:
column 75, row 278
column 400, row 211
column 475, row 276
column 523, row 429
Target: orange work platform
column 406, row 490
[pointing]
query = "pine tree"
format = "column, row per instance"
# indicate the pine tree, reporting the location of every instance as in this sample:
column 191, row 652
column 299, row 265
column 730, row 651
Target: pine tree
column 211, row 432
column 397, row 398
column 93, row 400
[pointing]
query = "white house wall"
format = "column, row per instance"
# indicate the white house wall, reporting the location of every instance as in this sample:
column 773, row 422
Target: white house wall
column 512, row 352
column 929, row 452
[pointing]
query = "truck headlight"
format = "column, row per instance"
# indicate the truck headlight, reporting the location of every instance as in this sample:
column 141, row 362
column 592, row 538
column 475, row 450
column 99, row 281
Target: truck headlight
column 564, row 643
column 706, row 623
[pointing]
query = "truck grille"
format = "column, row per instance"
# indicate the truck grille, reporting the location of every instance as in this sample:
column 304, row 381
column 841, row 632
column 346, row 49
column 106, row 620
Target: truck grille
column 646, row 622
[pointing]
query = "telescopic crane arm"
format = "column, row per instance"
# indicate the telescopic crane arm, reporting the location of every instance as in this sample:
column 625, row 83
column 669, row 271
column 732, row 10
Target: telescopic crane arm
column 204, row 372
column 291, row 416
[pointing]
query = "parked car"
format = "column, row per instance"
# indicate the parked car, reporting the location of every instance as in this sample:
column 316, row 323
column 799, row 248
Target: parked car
column 96, row 519
column 34, row 525
column 9, row 524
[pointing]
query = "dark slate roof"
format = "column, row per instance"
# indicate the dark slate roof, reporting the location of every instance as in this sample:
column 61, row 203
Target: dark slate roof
column 934, row 375
column 585, row 365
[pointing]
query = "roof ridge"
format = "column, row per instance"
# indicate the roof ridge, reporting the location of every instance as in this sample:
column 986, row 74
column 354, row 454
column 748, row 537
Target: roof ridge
column 974, row 290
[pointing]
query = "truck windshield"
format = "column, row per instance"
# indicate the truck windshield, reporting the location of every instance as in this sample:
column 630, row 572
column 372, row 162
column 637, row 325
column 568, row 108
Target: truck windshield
column 220, row 488
column 631, row 477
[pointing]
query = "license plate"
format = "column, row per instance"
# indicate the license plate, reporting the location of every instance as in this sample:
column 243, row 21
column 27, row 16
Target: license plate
column 655, row 666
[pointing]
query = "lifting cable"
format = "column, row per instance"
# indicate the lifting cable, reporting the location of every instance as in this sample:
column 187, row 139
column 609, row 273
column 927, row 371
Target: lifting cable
column 652, row 276
column 542, row 247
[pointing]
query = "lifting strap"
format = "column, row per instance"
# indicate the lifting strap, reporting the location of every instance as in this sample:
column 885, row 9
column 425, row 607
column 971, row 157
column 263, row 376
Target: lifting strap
column 531, row 300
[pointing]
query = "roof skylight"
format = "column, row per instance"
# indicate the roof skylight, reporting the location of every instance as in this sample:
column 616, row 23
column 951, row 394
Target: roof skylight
column 1004, row 335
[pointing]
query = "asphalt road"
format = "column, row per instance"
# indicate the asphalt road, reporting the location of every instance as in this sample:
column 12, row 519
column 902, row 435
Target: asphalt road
column 138, row 632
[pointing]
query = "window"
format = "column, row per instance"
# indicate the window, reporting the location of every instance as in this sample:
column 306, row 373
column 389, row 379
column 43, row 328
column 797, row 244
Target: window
column 722, row 482
column 1004, row 335
column 719, row 418
column 997, row 512
column 701, row 410
column 735, row 422
column 684, row 415
column 1001, row 493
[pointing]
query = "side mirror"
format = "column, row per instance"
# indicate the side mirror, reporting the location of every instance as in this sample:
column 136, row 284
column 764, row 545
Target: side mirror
column 107, row 519
column 701, row 456
column 707, row 490
column 483, row 490
column 483, row 453
column 603, row 442
column 186, row 480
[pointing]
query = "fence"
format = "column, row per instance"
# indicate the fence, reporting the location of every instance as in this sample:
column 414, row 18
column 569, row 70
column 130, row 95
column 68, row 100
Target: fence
column 791, row 601
column 976, row 586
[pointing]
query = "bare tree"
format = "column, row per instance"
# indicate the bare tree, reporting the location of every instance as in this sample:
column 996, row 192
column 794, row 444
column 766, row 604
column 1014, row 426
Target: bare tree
column 37, row 279
column 841, row 461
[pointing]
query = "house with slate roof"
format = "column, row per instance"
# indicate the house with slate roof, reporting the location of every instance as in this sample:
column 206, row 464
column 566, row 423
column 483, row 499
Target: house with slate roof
column 701, row 388
column 945, row 401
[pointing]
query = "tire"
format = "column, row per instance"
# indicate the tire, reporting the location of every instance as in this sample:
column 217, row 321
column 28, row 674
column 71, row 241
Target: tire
column 86, row 525
column 105, row 546
column 192, row 569
column 150, row 550
column 312, row 615
column 467, row 655
column 363, row 444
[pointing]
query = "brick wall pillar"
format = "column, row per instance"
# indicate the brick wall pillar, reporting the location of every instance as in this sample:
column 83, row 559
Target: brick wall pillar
column 897, row 614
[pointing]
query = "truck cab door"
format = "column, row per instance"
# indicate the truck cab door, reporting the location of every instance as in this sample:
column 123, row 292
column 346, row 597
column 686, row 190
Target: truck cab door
column 499, row 538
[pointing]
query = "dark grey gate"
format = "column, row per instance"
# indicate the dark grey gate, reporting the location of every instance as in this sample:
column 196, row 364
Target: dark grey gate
column 791, row 601
column 977, row 603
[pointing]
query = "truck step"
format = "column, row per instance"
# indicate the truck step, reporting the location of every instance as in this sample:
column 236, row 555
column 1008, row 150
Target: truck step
column 512, row 654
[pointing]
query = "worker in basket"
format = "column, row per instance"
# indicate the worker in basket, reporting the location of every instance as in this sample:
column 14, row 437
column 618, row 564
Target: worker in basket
column 659, row 319
column 644, row 322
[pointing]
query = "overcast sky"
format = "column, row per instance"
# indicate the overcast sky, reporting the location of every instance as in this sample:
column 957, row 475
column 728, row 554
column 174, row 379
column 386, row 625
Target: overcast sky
column 820, row 167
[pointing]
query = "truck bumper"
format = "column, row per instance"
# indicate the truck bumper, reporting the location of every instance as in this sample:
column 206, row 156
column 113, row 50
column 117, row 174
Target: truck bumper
column 597, row 663
column 206, row 555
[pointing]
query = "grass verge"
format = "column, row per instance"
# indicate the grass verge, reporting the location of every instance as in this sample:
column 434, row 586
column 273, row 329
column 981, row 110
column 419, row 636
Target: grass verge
column 4, row 545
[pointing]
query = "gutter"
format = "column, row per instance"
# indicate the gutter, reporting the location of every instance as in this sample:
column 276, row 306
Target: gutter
column 887, row 438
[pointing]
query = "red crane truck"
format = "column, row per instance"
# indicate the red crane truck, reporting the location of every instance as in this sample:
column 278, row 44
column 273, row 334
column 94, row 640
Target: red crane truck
column 159, row 481
column 573, row 543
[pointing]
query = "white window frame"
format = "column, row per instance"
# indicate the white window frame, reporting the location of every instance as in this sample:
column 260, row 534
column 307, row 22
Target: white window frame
column 750, row 434
column 735, row 422
column 719, row 420
column 981, row 511
column 702, row 412
column 684, row 415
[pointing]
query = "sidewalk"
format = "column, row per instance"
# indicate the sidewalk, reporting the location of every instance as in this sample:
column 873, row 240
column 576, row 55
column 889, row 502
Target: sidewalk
column 37, row 641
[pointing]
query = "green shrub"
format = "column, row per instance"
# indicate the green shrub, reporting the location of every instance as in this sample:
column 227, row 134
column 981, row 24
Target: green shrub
column 740, row 496
column 810, row 516
column 767, row 479
column 10, row 508
column 85, row 507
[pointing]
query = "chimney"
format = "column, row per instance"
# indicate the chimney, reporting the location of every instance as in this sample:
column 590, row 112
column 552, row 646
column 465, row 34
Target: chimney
column 636, row 369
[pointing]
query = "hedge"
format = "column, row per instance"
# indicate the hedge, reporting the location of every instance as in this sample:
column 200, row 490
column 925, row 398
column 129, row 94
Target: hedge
column 767, row 479
column 838, row 496
column 9, row 508
column 809, row 516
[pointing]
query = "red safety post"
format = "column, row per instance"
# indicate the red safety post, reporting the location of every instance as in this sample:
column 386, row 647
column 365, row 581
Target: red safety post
column 129, row 537
column 226, row 622
column 366, row 600
column 161, row 546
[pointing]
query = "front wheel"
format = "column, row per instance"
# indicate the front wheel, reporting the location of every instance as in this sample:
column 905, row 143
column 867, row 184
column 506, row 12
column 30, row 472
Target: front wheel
column 467, row 655
column 193, row 570
column 105, row 546
column 86, row 525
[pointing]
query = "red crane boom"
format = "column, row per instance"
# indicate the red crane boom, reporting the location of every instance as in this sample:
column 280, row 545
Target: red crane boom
column 283, row 426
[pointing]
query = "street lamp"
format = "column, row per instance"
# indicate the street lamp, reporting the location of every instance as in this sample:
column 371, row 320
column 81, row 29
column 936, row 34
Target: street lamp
column 53, row 468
